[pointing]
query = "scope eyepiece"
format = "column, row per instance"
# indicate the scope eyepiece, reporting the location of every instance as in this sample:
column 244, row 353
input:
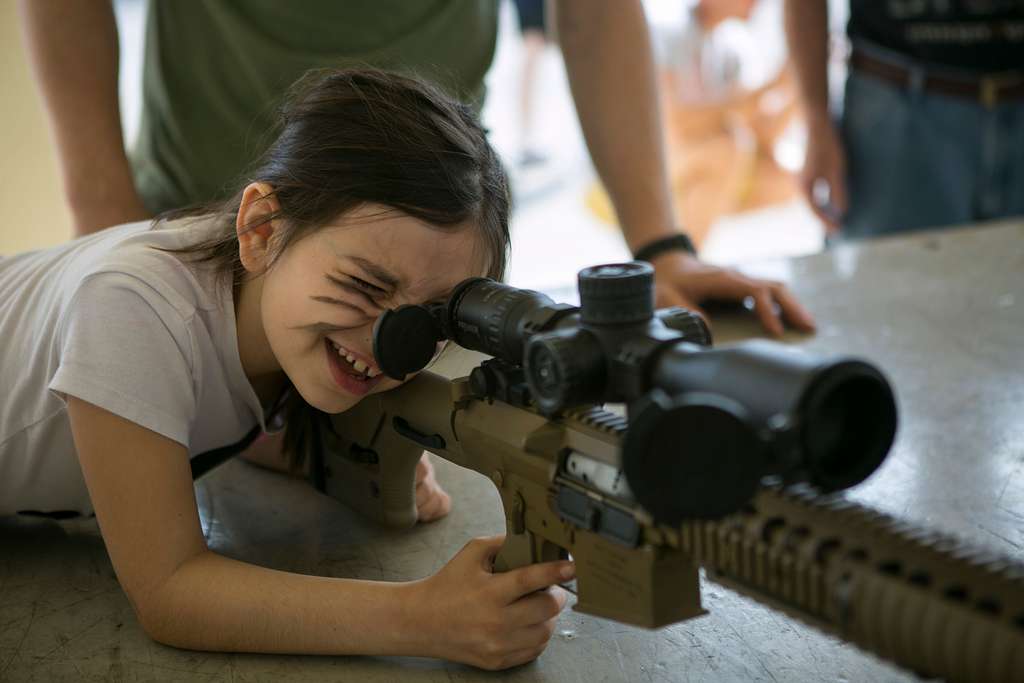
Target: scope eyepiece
column 405, row 339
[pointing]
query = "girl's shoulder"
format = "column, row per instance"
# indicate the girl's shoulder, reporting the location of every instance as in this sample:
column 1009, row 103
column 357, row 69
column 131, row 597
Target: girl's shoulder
column 150, row 336
column 151, row 255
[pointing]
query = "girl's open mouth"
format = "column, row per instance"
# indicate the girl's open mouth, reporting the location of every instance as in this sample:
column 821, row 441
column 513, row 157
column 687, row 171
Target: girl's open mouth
column 350, row 373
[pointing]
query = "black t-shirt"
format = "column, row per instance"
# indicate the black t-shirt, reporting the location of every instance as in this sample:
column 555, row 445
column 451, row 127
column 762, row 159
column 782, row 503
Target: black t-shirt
column 978, row 35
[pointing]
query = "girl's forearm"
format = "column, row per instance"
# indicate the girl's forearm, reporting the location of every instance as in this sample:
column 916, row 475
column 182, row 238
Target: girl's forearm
column 216, row 603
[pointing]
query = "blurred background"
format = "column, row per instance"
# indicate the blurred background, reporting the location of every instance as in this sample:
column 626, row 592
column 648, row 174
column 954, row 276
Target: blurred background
column 734, row 137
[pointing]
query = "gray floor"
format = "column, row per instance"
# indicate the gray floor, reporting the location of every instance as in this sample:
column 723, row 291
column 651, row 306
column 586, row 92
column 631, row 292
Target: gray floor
column 942, row 314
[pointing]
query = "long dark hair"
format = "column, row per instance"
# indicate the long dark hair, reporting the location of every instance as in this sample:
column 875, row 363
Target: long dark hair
column 360, row 136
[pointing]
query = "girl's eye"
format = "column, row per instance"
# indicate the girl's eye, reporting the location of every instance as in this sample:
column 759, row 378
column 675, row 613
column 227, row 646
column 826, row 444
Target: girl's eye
column 366, row 286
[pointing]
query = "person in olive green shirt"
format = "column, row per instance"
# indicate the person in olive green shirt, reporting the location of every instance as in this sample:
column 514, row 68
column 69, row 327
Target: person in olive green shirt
column 215, row 71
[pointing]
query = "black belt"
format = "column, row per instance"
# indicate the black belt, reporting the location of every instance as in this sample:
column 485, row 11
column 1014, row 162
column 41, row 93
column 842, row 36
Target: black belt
column 988, row 89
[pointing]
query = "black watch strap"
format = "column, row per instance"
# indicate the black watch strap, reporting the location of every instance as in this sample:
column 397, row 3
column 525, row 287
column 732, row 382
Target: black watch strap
column 675, row 242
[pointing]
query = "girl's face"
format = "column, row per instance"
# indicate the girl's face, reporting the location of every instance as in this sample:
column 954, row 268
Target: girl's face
column 319, row 300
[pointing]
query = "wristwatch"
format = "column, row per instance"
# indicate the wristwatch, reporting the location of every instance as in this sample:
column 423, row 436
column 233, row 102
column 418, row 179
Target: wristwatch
column 679, row 241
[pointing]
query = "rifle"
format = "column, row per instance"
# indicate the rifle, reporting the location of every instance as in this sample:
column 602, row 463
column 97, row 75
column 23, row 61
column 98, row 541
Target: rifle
column 731, row 459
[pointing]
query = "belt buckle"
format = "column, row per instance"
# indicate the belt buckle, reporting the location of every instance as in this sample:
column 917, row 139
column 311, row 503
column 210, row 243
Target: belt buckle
column 989, row 91
column 991, row 85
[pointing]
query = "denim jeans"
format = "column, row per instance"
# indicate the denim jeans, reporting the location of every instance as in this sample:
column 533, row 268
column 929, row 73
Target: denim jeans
column 918, row 159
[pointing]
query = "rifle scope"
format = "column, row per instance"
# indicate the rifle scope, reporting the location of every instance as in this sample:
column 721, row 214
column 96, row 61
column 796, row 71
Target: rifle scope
column 706, row 425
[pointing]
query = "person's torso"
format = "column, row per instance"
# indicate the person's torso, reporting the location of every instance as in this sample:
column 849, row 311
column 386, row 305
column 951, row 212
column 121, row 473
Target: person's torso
column 216, row 71
column 975, row 36
column 38, row 464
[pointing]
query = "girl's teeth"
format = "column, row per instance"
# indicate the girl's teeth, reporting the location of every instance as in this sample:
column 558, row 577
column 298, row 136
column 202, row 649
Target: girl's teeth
column 359, row 365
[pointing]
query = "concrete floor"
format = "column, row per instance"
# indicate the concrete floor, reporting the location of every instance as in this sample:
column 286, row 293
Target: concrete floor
column 941, row 314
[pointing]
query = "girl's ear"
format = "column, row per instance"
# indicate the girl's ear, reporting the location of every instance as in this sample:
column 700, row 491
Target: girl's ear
column 255, row 226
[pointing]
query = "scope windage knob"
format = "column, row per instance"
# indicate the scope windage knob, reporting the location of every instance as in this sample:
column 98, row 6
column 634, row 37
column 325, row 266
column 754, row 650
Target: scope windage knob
column 689, row 324
column 564, row 368
column 617, row 293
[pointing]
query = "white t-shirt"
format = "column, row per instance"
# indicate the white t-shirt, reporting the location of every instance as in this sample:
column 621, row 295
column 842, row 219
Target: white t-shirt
column 113, row 320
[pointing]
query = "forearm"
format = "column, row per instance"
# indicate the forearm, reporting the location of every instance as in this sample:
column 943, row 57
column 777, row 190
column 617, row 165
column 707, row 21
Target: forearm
column 608, row 58
column 807, row 37
column 74, row 53
column 219, row 604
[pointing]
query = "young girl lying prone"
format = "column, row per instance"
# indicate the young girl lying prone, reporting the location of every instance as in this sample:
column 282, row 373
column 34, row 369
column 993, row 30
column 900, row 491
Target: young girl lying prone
column 140, row 345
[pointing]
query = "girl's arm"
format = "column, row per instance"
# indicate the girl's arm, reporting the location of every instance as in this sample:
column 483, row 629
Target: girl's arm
column 187, row 596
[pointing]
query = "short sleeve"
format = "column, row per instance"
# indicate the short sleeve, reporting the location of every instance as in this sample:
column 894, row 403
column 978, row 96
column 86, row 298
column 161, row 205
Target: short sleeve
column 125, row 348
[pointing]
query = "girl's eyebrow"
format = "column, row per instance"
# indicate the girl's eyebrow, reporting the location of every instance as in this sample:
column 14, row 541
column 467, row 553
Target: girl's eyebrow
column 380, row 274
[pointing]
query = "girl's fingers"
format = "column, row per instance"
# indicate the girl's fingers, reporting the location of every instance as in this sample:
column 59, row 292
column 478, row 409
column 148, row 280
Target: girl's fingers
column 538, row 607
column 483, row 550
column 516, row 583
column 529, row 637
column 519, row 657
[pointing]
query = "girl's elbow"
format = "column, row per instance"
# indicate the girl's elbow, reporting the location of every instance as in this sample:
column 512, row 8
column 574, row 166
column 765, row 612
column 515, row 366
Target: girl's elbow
column 159, row 621
column 153, row 623
column 165, row 631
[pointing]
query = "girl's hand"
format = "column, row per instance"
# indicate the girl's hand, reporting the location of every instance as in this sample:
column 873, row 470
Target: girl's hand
column 492, row 621
column 431, row 500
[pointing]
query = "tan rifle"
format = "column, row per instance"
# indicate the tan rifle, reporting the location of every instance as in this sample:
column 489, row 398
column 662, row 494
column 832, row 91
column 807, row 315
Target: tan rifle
column 576, row 480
